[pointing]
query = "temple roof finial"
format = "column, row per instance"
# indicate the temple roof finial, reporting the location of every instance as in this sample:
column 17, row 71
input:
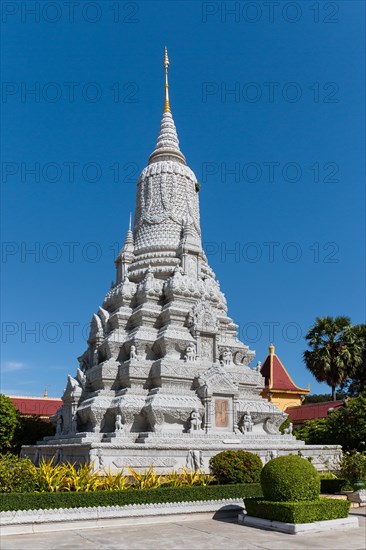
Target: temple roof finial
column 167, row 145
column 130, row 223
column 166, row 65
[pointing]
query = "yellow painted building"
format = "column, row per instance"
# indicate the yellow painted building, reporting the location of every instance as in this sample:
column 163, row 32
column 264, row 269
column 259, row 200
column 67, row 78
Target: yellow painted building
column 279, row 387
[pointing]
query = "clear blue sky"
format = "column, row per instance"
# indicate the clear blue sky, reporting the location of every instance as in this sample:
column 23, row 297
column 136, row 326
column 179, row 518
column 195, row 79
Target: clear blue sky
column 275, row 94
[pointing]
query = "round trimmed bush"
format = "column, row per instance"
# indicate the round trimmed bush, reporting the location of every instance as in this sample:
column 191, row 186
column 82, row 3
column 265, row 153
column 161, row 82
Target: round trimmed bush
column 236, row 467
column 290, row 478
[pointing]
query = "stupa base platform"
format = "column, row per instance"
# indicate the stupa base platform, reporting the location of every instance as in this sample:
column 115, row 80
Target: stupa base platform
column 167, row 452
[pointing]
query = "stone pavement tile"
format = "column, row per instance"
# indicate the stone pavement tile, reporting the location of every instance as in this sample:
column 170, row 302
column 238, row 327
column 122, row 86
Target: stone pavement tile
column 47, row 541
column 195, row 535
column 189, row 535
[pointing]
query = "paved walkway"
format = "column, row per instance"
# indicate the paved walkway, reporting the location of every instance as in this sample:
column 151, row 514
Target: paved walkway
column 188, row 535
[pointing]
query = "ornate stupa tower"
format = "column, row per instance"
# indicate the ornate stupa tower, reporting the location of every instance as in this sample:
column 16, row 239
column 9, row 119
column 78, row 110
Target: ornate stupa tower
column 165, row 381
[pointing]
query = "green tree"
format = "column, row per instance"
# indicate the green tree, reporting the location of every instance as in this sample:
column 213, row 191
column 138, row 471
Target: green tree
column 348, row 423
column 30, row 430
column 315, row 432
column 317, row 398
column 357, row 382
column 9, row 422
column 335, row 351
column 345, row 426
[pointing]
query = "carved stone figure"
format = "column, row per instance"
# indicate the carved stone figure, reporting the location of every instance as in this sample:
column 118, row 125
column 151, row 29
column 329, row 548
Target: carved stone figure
column 258, row 366
column 133, row 353
column 118, row 423
column 289, row 429
column 248, row 422
column 271, row 453
column 59, row 424
column 58, row 457
column 194, row 460
column 195, row 421
column 190, row 353
column 100, row 458
column 74, row 423
column 227, row 356
column 36, row 457
column 97, row 459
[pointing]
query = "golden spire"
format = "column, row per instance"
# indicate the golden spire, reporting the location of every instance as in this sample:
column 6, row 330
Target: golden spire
column 166, row 65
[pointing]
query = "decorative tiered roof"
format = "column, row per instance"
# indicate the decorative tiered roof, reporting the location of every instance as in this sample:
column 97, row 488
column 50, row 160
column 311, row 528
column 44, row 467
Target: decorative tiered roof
column 276, row 376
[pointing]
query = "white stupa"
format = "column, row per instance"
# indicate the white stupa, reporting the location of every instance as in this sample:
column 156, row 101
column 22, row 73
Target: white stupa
column 165, row 380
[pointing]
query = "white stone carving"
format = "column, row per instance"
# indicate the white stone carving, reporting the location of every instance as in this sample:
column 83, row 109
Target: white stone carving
column 190, row 352
column 59, row 424
column 133, row 353
column 247, row 423
column 195, row 421
column 118, row 424
column 194, row 460
column 227, row 356
column 289, row 429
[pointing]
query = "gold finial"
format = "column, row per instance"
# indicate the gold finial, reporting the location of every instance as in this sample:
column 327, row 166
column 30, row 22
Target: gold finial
column 166, row 65
column 271, row 349
column 45, row 393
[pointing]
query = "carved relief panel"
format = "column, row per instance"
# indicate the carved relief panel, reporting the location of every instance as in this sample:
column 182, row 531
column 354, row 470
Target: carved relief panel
column 222, row 413
column 191, row 265
column 208, row 348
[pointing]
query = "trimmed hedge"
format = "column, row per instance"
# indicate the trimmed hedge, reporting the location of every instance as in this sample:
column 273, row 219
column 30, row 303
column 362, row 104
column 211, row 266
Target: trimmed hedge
column 298, row 512
column 332, row 486
column 236, row 467
column 44, row 501
column 290, row 479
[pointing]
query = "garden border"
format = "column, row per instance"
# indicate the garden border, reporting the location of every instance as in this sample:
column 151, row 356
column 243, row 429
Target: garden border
column 61, row 519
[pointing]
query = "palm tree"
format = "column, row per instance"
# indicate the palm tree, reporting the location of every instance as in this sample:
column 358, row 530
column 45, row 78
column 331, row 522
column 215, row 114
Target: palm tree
column 335, row 351
column 357, row 382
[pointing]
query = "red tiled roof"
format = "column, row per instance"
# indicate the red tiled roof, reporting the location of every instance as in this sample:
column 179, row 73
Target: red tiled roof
column 40, row 406
column 276, row 376
column 299, row 414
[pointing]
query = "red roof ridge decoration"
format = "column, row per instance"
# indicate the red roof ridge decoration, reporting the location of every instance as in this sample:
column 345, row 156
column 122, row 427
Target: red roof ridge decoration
column 276, row 376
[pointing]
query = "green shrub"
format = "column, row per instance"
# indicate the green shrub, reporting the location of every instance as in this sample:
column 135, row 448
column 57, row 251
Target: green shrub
column 236, row 467
column 9, row 423
column 332, row 486
column 290, row 478
column 17, row 475
column 298, row 512
column 327, row 475
column 353, row 466
column 41, row 501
